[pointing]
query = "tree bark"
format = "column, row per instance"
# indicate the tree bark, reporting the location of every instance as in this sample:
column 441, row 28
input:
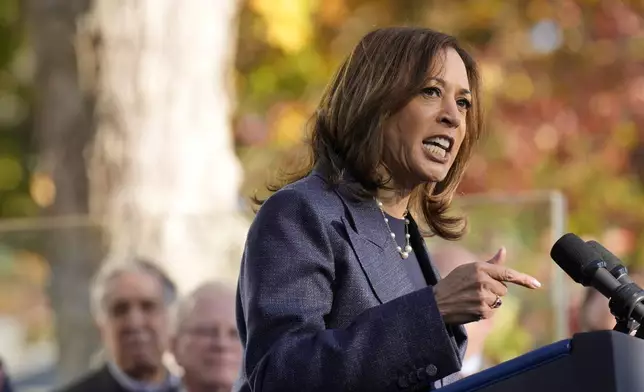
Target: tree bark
column 164, row 176
column 63, row 129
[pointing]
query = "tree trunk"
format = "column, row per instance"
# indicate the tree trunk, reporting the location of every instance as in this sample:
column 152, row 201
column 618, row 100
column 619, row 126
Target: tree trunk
column 63, row 130
column 164, row 176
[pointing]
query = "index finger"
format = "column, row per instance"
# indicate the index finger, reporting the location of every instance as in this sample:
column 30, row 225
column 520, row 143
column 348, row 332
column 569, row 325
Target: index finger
column 505, row 274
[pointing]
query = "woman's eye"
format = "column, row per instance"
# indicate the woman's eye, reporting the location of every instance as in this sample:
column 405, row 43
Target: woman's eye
column 431, row 92
column 464, row 103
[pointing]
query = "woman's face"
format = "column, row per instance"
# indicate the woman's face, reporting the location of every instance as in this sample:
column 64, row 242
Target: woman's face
column 421, row 141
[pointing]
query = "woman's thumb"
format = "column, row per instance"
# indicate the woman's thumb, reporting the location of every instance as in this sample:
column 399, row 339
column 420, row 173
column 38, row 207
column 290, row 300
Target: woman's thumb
column 499, row 257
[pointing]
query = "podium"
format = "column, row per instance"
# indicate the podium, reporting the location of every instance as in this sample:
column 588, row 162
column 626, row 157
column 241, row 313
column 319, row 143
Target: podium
column 604, row 361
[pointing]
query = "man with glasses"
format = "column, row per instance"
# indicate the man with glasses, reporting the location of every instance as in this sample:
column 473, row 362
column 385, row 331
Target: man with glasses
column 205, row 342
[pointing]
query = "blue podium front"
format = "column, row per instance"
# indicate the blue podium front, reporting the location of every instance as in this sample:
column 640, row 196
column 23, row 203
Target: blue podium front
column 604, row 361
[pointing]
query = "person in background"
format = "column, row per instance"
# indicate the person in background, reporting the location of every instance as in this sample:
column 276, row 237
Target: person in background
column 130, row 303
column 446, row 258
column 5, row 383
column 594, row 313
column 205, row 341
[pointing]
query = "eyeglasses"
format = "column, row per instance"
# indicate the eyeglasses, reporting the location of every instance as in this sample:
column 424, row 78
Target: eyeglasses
column 213, row 332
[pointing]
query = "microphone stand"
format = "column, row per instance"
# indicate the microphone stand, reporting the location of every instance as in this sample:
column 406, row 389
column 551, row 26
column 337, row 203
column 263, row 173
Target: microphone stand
column 623, row 326
column 622, row 305
column 639, row 333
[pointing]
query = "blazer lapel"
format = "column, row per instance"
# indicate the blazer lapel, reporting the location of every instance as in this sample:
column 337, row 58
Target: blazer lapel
column 372, row 245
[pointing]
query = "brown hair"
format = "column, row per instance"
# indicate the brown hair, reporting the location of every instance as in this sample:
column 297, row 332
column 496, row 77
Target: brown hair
column 385, row 71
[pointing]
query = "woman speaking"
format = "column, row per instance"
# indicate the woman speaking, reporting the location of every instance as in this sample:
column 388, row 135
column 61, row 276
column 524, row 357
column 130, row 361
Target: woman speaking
column 337, row 291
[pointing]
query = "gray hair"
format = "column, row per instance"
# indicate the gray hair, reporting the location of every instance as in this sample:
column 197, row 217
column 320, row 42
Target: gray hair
column 111, row 269
column 186, row 304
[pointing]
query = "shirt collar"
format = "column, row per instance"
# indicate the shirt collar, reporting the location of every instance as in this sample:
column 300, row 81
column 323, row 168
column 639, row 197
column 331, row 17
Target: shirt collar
column 171, row 383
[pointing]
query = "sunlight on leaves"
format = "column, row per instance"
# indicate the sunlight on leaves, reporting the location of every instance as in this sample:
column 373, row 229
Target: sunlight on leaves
column 539, row 9
column 625, row 134
column 33, row 267
column 636, row 47
column 11, row 173
column 518, row 87
column 546, row 138
column 263, row 81
column 603, row 52
column 12, row 109
column 492, row 77
column 9, row 12
column 288, row 129
column 42, row 189
column 333, row 12
column 18, row 204
column 288, row 23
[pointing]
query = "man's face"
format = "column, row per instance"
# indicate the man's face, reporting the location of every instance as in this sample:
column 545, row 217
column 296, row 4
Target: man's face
column 134, row 327
column 207, row 345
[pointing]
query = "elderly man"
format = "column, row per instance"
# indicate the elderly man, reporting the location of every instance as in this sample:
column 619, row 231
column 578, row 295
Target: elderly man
column 446, row 258
column 206, row 344
column 130, row 303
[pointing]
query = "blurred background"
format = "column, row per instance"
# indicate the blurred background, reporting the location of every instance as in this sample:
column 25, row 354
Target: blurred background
column 144, row 126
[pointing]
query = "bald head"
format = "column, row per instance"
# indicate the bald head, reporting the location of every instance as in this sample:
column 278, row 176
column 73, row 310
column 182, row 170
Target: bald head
column 206, row 344
column 209, row 296
column 449, row 256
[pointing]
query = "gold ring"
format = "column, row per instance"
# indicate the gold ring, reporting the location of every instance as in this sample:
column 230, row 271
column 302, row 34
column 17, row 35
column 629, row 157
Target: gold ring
column 497, row 303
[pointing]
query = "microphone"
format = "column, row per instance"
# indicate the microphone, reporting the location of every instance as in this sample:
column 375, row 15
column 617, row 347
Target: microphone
column 586, row 267
column 620, row 272
column 613, row 264
column 583, row 264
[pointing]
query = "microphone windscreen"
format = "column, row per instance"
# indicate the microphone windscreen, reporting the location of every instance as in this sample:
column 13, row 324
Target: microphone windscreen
column 606, row 255
column 573, row 255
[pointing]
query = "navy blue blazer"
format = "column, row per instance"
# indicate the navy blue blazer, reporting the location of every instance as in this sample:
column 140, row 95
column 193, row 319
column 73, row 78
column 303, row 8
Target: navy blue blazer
column 324, row 303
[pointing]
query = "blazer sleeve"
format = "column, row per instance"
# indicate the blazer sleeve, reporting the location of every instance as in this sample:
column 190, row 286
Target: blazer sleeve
column 286, row 290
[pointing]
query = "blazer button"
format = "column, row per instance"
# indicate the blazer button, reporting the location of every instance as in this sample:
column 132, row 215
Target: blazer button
column 421, row 374
column 431, row 370
column 403, row 383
